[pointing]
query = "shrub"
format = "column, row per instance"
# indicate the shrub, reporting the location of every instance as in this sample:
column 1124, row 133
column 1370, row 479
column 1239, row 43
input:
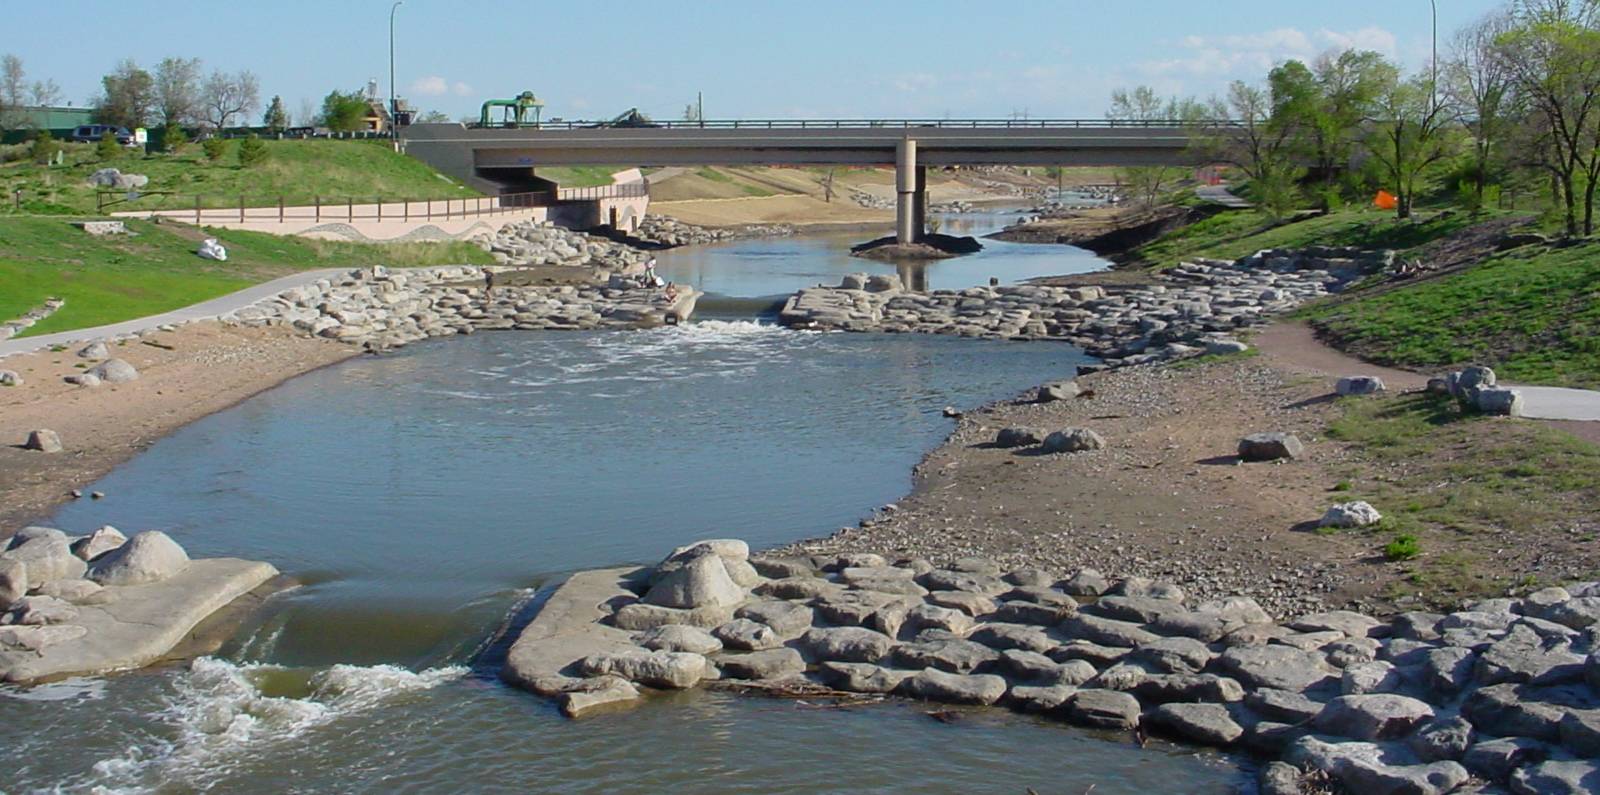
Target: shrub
column 44, row 148
column 252, row 151
column 172, row 138
column 1403, row 547
column 108, row 148
column 215, row 148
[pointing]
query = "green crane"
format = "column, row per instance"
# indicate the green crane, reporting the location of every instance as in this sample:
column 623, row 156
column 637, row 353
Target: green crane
column 514, row 112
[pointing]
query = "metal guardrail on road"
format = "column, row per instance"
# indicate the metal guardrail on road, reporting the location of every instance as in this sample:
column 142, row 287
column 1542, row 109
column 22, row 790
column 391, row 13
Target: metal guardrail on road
column 837, row 124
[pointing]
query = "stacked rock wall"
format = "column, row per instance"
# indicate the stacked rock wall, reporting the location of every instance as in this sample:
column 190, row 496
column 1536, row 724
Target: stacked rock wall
column 1192, row 305
column 1505, row 691
column 381, row 308
column 672, row 232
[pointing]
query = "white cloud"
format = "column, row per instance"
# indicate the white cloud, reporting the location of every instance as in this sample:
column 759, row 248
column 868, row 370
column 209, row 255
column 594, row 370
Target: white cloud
column 1371, row 37
column 1250, row 55
column 431, row 86
column 460, row 89
column 914, row 82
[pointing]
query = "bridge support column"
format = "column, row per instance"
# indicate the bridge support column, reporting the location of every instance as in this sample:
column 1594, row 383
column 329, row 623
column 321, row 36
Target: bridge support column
column 911, row 185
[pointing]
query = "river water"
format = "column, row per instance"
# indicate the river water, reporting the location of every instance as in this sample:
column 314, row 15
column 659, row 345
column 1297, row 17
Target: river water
column 428, row 497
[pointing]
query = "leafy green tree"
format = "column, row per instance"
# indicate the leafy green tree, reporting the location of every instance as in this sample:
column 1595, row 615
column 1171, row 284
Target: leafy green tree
column 276, row 118
column 1406, row 135
column 44, row 148
column 127, row 97
column 1553, row 56
column 344, row 112
column 215, row 148
column 1477, row 83
column 173, row 138
column 108, row 148
column 1325, row 105
column 252, row 152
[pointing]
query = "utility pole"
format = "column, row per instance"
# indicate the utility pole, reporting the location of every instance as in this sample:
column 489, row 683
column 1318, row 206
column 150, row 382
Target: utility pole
column 700, row 107
column 1434, row 89
column 394, row 110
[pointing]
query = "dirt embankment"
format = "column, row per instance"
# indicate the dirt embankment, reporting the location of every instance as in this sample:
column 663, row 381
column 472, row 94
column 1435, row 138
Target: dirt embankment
column 1110, row 232
column 208, row 368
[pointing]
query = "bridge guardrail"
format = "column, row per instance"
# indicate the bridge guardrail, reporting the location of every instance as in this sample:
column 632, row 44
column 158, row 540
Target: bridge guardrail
column 836, row 124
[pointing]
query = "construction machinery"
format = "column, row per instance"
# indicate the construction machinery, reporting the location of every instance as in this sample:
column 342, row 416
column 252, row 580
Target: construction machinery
column 514, row 112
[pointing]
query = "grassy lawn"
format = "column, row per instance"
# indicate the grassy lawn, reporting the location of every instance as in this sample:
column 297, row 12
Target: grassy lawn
column 1232, row 234
column 1533, row 314
column 1479, row 495
column 295, row 170
column 106, row 280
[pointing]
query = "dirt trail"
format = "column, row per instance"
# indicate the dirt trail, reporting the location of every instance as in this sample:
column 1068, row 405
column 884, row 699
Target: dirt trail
column 208, row 368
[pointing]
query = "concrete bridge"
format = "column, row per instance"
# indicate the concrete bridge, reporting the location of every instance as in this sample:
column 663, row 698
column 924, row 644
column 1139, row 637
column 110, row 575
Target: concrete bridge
column 500, row 159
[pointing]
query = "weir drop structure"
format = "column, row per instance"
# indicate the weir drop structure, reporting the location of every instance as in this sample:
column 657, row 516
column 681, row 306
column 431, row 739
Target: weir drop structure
column 504, row 160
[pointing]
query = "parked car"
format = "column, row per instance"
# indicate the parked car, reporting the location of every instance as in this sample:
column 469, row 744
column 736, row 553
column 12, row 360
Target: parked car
column 92, row 133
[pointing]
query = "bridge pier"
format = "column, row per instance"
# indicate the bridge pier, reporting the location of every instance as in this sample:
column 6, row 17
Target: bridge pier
column 911, row 193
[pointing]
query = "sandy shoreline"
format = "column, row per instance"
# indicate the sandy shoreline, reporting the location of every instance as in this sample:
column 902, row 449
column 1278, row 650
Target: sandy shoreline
column 209, row 368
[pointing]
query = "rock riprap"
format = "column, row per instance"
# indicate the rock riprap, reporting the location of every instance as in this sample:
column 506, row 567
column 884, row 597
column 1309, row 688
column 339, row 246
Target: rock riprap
column 141, row 597
column 1194, row 308
column 382, row 308
column 666, row 231
column 1507, row 690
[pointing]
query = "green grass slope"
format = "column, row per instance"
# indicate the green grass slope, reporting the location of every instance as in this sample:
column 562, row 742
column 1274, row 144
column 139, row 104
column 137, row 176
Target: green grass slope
column 1238, row 233
column 107, row 280
column 1531, row 313
column 297, row 170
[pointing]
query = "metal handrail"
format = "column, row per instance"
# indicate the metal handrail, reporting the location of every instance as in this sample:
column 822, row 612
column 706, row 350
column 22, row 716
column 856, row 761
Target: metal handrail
column 358, row 208
column 834, row 124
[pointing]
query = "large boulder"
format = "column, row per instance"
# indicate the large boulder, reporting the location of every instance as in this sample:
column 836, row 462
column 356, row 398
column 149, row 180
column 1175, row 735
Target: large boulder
column 786, row 618
column 1359, row 385
column 1362, row 767
column 702, row 581
column 682, row 638
column 1499, row 400
column 1270, row 446
column 148, row 557
column 861, row 677
column 13, row 582
column 46, row 555
column 1103, row 709
column 766, row 664
column 1376, row 716
column 747, row 635
column 1279, row 667
column 1058, row 390
column 44, row 440
column 1346, row 515
column 662, row 669
column 1073, row 440
column 847, row 644
column 1018, row 437
column 936, row 685
column 1557, row 777
column 1209, row 724
column 98, row 543
column 114, row 371
column 94, row 350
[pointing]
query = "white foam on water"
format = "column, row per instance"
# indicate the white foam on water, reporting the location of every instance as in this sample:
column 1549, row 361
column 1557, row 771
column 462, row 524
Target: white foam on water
column 219, row 713
column 64, row 690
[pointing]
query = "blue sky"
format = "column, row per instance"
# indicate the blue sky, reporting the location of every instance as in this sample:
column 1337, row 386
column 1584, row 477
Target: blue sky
column 753, row 59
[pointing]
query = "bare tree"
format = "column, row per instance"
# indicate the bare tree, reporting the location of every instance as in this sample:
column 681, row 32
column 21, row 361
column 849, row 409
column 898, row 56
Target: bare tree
column 13, row 88
column 307, row 115
column 44, row 92
column 225, row 96
column 178, row 90
column 1259, row 147
column 1144, row 105
column 827, row 186
column 1477, row 84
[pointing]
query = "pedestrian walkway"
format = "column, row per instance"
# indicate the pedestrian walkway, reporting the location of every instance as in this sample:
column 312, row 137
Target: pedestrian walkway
column 1219, row 194
column 205, row 310
column 1295, row 347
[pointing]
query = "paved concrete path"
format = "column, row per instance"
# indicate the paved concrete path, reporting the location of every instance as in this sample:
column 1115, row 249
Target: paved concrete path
column 1219, row 194
column 1295, row 346
column 204, row 310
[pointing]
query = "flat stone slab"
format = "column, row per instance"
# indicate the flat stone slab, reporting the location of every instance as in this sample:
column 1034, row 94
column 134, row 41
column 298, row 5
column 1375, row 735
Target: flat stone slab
column 138, row 624
column 568, row 628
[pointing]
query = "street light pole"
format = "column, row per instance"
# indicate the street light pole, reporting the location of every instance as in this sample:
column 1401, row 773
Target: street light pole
column 1435, row 87
column 393, row 109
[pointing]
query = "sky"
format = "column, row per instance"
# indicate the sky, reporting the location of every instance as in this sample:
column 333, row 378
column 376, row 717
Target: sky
column 752, row 59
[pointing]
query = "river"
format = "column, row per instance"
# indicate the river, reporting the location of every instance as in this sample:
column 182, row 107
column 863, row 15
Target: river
column 428, row 497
